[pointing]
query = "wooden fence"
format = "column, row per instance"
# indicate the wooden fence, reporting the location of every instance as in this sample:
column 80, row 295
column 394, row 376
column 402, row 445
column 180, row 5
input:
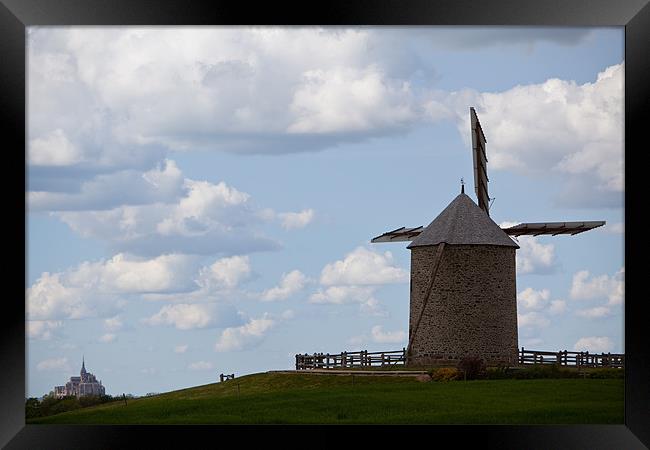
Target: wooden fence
column 360, row 359
column 566, row 358
column 364, row 358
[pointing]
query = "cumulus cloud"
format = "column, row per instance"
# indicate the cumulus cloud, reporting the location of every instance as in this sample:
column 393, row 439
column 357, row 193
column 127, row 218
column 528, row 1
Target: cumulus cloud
column 59, row 364
column 53, row 149
column 532, row 320
column 557, row 307
column 43, row 329
column 533, row 257
column 163, row 183
column 593, row 344
column 387, row 337
column 594, row 313
column 356, row 278
column 201, row 365
column 185, row 316
column 206, row 218
column 107, row 338
column 113, row 323
column 614, row 228
column 363, row 267
column 251, row 334
column 532, row 299
column 290, row 284
column 343, row 294
column 110, row 99
column 372, row 307
column 225, row 273
column 292, row 220
column 96, row 288
column 558, row 126
column 587, row 287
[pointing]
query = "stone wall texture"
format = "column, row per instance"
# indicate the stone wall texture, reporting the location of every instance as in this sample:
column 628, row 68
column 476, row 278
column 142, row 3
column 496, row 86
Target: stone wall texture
column 472, row 308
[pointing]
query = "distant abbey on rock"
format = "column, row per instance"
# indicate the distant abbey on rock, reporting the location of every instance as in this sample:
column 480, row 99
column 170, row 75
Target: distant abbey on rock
column 85, row 384
column 463, row 299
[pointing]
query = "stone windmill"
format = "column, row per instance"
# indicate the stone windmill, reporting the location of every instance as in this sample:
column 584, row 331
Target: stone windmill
column 463, row 280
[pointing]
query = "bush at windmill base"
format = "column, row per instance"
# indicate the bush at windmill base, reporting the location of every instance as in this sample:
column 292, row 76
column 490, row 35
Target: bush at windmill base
column 446, row 374
column 472, row 368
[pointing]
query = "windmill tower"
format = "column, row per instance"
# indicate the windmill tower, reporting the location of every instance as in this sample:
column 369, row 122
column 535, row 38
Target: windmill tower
column 463, row 278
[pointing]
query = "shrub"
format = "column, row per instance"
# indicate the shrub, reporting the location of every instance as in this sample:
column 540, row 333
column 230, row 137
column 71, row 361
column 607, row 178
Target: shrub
column 609, row 372
column 445, row 374
column 498, row 373
column 545, row 371
column 472, row 368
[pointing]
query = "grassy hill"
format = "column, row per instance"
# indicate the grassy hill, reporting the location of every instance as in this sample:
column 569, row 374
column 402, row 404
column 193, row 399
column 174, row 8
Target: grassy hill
column 277, row 398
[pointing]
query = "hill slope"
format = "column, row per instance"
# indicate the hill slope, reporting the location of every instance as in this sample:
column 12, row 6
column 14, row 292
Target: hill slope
column 302, row 398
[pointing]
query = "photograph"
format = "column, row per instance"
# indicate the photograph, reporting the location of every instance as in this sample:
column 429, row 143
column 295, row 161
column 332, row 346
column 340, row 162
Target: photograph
column 257, row 224
column 368, row 221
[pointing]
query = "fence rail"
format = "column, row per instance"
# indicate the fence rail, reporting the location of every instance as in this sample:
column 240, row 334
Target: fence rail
column 395, row 358
column 566, row 358
column 359, row 359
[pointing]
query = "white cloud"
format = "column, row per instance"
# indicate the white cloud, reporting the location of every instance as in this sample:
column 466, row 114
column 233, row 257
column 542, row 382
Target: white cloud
column 201, row 365
column 53, row 149
column 557, row 307
column 363, row 267
column 290, row 284
column 246, row 336
column 225, row 273
column 162, row 183
column 96, row 288
column 252, row 333
column 532, row 320
column 112, row 98
column 556, row 127
column 185, row 316
column 343, row 294
column 43, row 329
column 614, row 228
column 292, row 220
column 180, row 348
column 60, row 364
column 532, row 256
column 108, row 337
column 49, row 298
column 594, row 313
column 340, row 100
column 125, row 273
column 113, row 323
column 372, row 307
column 587, row 287
column 532, row 299
column 205, row 218
column 593, row 344
column 387, row 337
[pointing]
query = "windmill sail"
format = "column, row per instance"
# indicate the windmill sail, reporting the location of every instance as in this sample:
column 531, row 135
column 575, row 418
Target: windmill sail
column 480, row 163
column 552, row 228
column 523, row 229
column 400, row 234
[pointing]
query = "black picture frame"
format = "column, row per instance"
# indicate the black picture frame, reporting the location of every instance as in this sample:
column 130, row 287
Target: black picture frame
column 634, row 15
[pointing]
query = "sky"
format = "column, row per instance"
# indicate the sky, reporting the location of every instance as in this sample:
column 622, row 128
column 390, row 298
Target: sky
column 200, row 200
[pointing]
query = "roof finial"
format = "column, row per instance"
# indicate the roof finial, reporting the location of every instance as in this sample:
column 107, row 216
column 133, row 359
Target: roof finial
column 462, row 186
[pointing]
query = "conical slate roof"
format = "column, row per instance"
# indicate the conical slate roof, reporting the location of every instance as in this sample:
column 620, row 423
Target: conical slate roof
column 463, row 222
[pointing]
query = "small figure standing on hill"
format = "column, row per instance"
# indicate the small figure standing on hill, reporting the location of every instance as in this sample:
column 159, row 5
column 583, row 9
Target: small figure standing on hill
column 124, row 397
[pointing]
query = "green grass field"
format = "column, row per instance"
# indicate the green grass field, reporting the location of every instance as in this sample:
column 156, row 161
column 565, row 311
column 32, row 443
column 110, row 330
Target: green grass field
column 273, row 398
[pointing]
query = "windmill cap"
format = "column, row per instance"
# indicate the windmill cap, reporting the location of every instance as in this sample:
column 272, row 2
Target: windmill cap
column 463, row 222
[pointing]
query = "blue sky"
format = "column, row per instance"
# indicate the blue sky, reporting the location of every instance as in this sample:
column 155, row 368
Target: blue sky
column 201, row 201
